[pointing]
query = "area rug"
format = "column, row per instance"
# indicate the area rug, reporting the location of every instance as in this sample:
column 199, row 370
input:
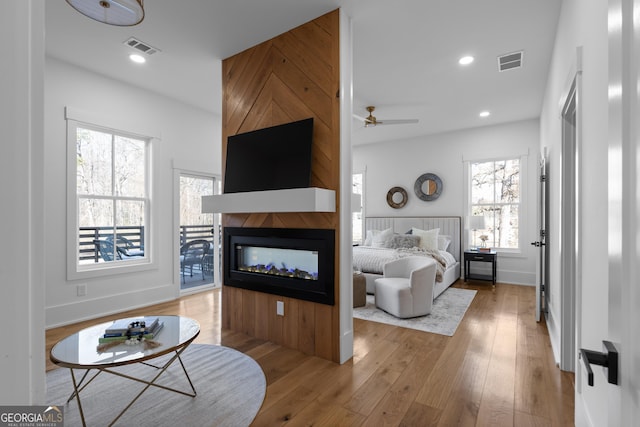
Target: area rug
column 447, row 312
column 230, row 389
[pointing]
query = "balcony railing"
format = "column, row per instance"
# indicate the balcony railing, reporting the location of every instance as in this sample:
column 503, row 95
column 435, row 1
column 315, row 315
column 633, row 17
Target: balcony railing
column 88, row 237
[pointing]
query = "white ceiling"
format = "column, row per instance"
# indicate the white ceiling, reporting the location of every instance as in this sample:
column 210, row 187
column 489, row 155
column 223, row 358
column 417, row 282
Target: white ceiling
column 405, row 54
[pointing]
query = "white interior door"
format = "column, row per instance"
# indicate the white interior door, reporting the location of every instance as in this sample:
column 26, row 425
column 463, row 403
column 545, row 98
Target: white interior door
column 619, row 405
column 541, row 242
column 624, row 209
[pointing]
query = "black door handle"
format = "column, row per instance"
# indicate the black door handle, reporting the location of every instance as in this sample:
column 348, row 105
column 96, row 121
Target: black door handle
column 608, row 359
column 537, row 244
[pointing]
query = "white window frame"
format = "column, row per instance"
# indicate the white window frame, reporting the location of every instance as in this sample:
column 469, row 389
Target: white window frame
column 522, row 210
column 76, row 119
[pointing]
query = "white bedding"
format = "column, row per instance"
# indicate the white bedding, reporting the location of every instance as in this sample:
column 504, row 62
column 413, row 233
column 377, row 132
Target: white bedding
column 369, row 259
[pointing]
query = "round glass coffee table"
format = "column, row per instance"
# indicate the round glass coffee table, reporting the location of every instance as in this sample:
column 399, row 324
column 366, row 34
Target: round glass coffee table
column 79, row 351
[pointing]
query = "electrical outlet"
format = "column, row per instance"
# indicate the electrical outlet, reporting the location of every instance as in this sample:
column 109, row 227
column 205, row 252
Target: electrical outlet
column 280, row 308
column 81, row 290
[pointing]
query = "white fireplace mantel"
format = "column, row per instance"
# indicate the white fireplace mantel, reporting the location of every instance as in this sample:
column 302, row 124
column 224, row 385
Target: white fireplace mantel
column 310, row 199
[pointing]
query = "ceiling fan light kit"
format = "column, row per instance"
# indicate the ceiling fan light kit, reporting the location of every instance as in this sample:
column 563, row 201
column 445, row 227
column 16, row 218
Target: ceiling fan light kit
column 122, row 13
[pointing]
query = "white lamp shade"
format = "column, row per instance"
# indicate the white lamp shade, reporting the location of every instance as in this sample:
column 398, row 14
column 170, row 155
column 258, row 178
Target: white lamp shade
column 476, row 222
column 123, row 13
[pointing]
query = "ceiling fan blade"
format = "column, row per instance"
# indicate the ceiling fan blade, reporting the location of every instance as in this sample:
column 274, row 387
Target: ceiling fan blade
column 361, row 118
column 396, row 122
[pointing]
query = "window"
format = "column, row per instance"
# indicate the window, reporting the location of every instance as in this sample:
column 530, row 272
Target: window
column 356, row 208
column 109, row 171
column 495, row 194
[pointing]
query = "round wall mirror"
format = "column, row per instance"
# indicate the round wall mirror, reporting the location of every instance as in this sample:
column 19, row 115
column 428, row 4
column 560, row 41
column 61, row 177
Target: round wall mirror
column 397, row 197
column 428, row 187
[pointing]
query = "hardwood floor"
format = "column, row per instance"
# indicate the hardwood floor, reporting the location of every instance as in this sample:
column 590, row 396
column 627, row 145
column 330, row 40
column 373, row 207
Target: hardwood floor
column 497, row 369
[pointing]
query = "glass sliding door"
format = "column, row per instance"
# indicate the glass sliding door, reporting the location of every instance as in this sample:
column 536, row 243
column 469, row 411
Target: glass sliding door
column 199, row 259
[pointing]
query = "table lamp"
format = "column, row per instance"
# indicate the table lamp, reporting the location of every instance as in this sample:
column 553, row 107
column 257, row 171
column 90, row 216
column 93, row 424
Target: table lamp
column 476, row 222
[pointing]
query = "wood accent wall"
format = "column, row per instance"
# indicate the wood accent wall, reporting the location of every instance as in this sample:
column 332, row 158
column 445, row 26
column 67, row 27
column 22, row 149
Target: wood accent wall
column 290, row 77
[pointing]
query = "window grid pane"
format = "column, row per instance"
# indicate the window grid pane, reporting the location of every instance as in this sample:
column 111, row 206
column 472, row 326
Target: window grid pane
column 495, row 194
column 93, row 162
column 112, row 196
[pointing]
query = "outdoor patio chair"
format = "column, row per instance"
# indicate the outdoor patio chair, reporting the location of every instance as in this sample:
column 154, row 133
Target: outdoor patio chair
column 193, row 254
column 126, row 247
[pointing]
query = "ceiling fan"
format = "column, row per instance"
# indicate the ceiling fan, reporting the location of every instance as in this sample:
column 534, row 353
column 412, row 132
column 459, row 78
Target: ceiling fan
column 371, row 120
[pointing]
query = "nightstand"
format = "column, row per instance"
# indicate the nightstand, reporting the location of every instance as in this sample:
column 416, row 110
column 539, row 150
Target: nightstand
column 480, row 256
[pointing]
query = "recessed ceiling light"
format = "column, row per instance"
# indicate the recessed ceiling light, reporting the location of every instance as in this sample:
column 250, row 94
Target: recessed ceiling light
column 485, row 114
column 139, row 59
column 466, row 60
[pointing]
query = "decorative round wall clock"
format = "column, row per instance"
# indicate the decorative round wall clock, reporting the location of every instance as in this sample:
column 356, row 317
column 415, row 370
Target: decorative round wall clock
column 397, row 197
column 428, row 187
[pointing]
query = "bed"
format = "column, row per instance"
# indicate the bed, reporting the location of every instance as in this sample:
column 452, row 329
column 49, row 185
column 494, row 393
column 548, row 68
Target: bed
column 370, row 257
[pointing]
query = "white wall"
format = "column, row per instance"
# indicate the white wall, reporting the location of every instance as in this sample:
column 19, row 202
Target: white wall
column 581, row 24
column 400, row 163
column 22, row 356
column 189, row 139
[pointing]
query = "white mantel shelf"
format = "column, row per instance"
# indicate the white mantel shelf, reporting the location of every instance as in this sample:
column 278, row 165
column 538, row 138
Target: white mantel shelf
column 291, row 200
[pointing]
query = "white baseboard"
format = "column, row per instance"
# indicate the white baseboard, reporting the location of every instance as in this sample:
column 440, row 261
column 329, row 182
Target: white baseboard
column 66, row 314
column 517, row 277
column 553, row 326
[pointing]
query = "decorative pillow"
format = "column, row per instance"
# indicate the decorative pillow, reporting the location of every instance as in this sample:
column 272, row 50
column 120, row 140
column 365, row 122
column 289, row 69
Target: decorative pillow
column 428, row 238
column 404, row 241
column 378, row 239
column 443, row 242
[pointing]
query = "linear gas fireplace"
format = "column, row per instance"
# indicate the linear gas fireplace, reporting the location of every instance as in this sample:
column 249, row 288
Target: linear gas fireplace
column 296, row 263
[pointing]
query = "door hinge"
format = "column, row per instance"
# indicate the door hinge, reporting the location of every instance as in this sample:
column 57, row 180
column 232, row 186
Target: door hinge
column 543, row 178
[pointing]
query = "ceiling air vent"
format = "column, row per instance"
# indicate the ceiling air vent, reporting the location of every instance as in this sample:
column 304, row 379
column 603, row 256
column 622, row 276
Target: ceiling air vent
column 510, row 61
column 141, row 46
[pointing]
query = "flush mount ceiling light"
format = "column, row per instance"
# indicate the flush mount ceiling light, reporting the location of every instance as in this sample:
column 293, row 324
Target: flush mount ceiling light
column 123, row 13
column 465, row 60
column 484, row 114
column 138, row 59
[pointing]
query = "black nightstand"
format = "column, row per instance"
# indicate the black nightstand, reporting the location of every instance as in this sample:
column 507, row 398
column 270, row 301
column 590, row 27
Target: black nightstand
column 480, row 256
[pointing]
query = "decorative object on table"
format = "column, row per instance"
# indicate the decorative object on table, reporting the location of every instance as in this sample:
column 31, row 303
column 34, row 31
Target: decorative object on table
column 135, row 332
column 122, row 13
column 397, row 197
column 483, row 239
column 428, row 187
column 476, row 222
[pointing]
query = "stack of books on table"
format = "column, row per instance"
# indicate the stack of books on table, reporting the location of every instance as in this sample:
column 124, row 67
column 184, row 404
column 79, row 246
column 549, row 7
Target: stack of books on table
column 141, row 327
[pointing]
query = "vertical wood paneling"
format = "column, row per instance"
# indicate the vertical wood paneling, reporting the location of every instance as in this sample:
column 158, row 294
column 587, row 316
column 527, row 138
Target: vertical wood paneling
column 291, row 77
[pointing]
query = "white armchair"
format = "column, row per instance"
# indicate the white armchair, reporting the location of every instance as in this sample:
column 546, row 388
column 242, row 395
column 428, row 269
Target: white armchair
column 406, row 288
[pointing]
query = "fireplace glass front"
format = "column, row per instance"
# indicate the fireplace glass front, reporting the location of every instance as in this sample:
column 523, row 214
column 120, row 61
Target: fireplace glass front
column 296, row 263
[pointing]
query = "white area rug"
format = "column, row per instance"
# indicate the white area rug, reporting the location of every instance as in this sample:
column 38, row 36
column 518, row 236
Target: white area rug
column 230, row 389
column 446, row 314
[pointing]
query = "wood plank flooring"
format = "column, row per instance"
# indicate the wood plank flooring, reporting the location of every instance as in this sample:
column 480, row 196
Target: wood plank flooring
column 497, row 370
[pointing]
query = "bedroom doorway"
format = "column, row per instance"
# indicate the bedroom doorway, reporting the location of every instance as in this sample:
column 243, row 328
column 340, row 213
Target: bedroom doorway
column 570, row 225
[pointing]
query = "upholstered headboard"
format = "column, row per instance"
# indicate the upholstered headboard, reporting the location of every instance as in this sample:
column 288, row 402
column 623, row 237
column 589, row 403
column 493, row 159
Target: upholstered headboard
column 449, row 225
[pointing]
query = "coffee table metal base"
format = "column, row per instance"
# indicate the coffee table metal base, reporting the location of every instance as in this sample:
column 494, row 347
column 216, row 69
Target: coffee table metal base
column 78, row 386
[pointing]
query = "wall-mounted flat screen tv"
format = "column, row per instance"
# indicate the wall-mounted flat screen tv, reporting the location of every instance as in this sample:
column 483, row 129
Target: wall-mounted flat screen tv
column 273, row 158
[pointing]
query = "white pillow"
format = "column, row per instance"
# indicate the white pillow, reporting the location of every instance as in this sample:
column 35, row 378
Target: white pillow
column 443, row 242
column 374, row 235
column 428, row 238
column 382, row 238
